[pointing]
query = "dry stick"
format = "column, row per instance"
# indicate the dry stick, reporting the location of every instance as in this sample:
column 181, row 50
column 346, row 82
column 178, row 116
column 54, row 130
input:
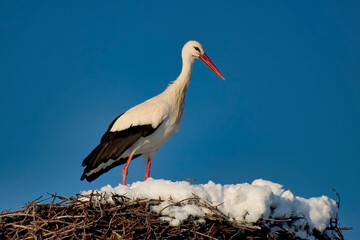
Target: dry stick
column 20, row 226
column 18, row 213
column 345, row 228
column 280, row 220
column 177, row 203
column 339, row 234
column 204, row 235
column 210, row 229
column 237, row 233
column 338, row 231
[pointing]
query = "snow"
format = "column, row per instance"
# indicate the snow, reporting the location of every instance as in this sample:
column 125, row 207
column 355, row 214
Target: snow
column 242, row 202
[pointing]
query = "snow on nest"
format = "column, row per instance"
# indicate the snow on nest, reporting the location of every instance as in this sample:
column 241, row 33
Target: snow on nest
column 242, row 202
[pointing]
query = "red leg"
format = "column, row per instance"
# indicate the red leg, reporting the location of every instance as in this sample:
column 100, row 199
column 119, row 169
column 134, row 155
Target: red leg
column 148, row 166
column 125, row 169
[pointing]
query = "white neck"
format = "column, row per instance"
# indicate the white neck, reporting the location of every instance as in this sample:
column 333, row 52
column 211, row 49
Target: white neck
column 181, row 84
column 176, row 91
column 186, row 70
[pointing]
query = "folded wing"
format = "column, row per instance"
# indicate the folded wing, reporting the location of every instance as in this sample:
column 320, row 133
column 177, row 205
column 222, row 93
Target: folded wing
column 140, row 121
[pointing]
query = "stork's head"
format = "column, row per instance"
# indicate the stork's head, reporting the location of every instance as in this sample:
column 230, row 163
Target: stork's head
column 193, row 49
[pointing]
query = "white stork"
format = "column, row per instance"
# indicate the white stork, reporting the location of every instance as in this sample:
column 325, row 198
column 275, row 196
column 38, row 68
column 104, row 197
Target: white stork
column 143, row 129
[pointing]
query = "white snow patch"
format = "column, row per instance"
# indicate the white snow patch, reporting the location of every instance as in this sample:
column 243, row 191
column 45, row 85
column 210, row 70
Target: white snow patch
column 242, row 202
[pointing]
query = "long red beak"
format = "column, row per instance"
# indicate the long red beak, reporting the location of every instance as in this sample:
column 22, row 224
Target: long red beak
column 211, row 65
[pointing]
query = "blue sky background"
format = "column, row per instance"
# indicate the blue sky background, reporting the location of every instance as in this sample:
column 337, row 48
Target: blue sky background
column 289, row 110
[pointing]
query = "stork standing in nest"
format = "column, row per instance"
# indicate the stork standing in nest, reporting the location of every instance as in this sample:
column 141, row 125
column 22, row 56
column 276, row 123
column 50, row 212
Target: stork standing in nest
column 143, row 129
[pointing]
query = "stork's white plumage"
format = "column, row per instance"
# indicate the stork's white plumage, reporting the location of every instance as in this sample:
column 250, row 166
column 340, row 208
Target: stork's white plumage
column 143, row 129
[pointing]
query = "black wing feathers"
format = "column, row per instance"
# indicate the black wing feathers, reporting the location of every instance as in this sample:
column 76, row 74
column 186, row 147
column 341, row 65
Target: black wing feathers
column 111, row 147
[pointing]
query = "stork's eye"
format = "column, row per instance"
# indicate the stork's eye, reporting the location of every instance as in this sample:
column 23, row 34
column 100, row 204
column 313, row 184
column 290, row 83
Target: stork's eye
column 197, row 49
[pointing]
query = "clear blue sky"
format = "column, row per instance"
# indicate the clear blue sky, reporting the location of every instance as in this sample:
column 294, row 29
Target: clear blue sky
column 289, row 110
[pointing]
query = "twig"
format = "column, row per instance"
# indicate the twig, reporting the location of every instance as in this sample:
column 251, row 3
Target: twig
column 204, row 235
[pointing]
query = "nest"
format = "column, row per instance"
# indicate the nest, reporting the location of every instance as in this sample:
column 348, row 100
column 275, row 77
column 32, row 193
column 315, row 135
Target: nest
column 88, row 217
